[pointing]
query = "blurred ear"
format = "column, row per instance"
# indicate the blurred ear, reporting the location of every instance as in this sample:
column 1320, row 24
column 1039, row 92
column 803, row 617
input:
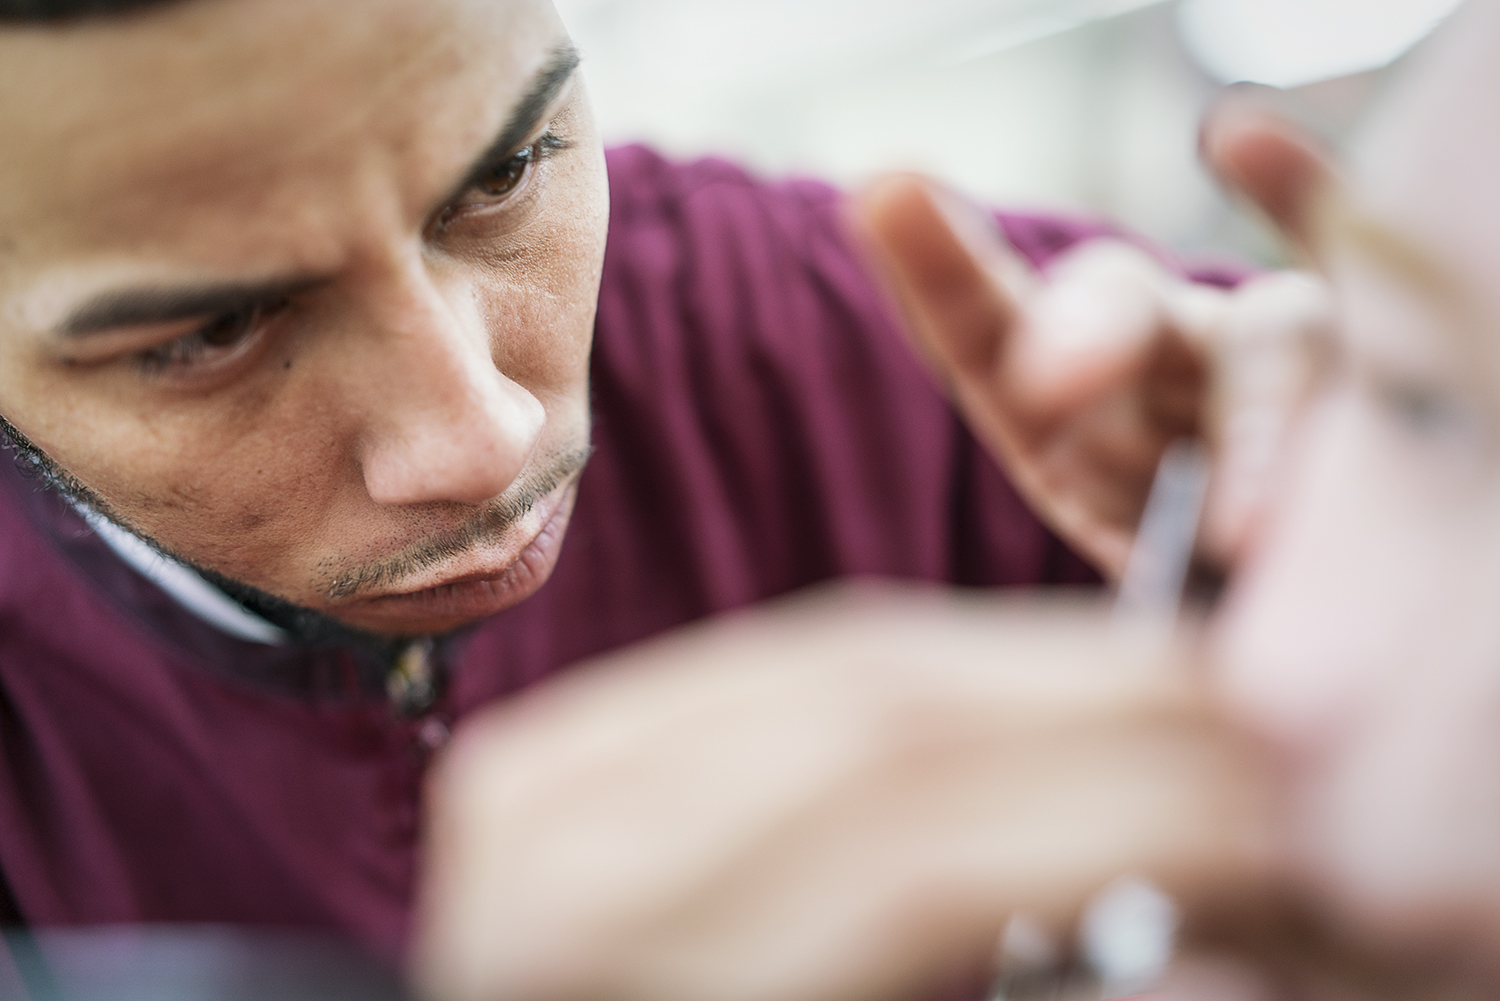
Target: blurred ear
column 1278, row 165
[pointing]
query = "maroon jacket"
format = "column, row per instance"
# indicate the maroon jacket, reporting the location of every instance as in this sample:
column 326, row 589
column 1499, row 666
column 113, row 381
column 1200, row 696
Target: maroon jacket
column 760, row 426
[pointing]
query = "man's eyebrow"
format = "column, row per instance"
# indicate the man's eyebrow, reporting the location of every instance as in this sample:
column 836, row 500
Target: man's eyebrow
column 148, row 306
column 1406, row 262
column 524, row 118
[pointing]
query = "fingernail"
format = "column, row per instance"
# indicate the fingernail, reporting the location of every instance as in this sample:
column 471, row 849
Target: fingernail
column 975, row 226
column 981, row 234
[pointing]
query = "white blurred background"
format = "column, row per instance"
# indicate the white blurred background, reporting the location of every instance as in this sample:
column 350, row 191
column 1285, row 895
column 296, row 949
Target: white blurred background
column 1085, row 106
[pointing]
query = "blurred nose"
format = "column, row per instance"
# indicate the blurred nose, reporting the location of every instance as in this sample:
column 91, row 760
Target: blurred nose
column 442, row 423
column 1326, row 589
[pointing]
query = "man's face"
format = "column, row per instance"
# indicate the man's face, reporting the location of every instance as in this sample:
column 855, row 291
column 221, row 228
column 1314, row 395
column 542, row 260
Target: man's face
column 1364, row 636
column 305, row 292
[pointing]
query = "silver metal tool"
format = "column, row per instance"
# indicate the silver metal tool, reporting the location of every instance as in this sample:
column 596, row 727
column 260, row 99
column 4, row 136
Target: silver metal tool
column 1125, row 939
column 1149, row 599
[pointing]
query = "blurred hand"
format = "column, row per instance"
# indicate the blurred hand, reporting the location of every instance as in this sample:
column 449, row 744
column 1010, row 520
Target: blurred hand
column 1078, row 379
column 841, row 796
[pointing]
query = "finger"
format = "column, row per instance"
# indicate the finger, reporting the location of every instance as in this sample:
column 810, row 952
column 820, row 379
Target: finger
column 1091, row 328
column 1176, row 387
column 1273, row 341
column 1118, row 444
column 611, row 826
column 1271, row 161
column 1099, row 484
column 951, row 825
column 1113, row 325
column 957, row 281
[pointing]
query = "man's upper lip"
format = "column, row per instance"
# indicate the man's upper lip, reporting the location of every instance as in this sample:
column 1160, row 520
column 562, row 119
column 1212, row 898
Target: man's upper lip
column 546, row 507
column 460, row 579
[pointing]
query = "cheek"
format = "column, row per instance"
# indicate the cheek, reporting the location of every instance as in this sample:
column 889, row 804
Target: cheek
column 234, row 500
column 1347, row 583
column 539, row 309
column 538, row 294
column 540, row 327
column 233, row 486
column 1363, row 639
column 1400, row 822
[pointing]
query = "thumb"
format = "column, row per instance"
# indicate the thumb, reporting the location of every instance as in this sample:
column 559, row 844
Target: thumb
column 955, row 279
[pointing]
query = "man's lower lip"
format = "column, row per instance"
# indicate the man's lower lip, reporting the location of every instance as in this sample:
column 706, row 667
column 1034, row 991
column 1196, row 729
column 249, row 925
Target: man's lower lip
column 471, row 598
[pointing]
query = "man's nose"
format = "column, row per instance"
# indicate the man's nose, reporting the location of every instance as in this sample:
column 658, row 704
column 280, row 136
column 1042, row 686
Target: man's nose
column 442, row 423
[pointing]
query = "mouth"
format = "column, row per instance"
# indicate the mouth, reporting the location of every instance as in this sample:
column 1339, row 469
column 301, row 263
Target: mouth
column 475, row 584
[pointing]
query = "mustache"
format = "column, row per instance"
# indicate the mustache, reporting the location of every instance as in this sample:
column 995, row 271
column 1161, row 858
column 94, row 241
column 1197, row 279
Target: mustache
column 497, row 518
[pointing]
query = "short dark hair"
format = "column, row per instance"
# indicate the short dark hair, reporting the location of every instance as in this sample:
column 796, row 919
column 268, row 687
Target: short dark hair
column 34, row 11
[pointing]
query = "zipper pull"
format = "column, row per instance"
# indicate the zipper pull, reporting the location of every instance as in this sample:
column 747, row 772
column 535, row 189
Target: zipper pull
column 411, row 683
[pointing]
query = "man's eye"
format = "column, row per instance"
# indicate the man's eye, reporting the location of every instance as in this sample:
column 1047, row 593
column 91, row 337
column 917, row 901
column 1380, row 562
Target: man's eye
column 1432, row 412
column 504, row 179
column 218, row 338
column 507, row 177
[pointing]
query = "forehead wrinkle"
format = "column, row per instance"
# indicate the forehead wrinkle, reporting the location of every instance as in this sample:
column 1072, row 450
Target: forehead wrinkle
column 239, row 210
column 234, row 131
column 225, row 56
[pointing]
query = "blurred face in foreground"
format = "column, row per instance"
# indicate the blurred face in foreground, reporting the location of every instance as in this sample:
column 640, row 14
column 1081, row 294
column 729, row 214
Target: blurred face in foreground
column 306, row 297
column 1364, row 637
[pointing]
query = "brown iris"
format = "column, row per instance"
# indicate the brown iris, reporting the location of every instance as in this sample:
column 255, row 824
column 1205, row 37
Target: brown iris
column 508, row 176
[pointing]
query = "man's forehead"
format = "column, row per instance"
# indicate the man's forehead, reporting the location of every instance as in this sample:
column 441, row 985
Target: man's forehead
column 236, row 113
column 1410, row 301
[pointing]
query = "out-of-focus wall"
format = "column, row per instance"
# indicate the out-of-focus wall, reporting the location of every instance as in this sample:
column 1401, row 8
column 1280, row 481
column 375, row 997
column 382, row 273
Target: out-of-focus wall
column 1087, row 106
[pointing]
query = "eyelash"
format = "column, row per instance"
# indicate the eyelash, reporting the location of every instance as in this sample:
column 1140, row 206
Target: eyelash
column 523, row 161
column 191, row 349
column 548, row 145
column 1427, row 411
